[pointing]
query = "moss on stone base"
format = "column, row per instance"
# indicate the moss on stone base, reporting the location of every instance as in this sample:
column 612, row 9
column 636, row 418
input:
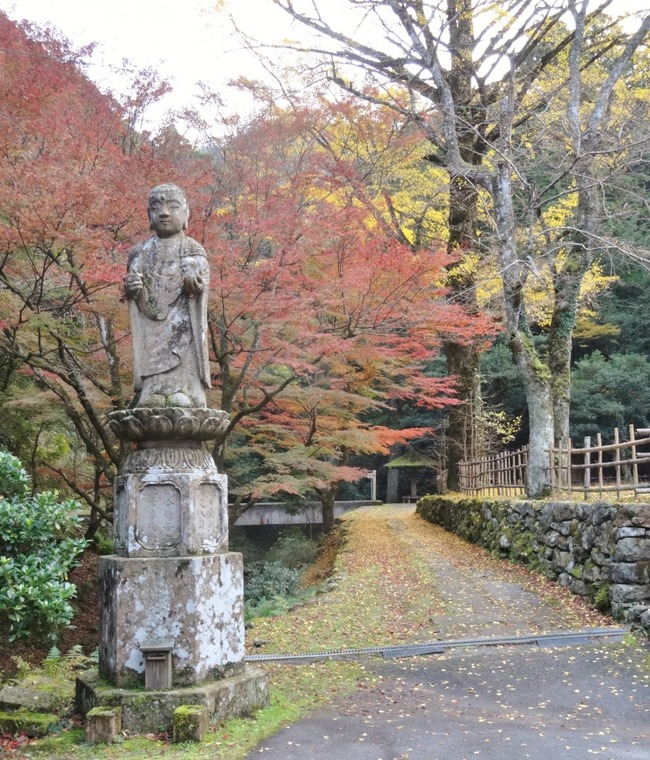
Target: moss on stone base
column 144, row 711
column 26, row 722
column 190, row 723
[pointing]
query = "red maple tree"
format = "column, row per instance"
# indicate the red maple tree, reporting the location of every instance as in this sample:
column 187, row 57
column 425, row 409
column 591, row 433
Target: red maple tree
column 323, row 306
column 321, row 311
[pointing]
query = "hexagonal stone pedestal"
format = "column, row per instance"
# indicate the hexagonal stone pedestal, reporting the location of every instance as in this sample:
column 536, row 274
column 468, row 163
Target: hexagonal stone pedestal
column 194, row 602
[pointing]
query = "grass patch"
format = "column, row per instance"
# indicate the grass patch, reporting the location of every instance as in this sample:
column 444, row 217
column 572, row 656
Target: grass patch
column 296, row 690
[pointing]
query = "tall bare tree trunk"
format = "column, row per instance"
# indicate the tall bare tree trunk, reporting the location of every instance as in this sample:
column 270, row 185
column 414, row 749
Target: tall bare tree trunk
column 560, row 343
column 464, row 436
column 535, row 375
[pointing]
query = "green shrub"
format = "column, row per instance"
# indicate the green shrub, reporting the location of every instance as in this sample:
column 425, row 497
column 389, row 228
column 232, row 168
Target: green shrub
column 270, row 580
column 602, row 599
column 267, row 607
column 37, row 549
column 293, row 549
column 14, row 481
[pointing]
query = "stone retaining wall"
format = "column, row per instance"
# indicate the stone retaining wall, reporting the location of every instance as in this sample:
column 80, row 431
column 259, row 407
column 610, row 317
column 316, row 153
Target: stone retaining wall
column 600, row 550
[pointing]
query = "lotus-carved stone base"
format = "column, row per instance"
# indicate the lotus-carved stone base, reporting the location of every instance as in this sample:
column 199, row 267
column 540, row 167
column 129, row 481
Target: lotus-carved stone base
column 168, row 424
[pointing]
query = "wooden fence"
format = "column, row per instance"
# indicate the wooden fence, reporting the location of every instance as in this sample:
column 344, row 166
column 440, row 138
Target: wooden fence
column 500, row 475
column 617, row 467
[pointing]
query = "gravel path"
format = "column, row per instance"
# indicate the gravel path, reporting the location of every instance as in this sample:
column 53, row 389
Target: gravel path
column 505, row 702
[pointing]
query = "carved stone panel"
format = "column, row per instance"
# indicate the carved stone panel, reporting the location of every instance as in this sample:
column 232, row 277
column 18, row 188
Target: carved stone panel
column 209, row 518
column 167, row 513
column 158, row 521
column 175, row 459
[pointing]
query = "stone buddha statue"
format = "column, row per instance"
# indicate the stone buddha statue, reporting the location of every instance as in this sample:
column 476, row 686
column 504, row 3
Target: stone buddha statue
column 167, row 290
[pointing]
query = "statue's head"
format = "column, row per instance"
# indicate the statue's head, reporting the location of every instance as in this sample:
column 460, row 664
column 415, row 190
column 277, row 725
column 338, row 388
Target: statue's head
column 168, row 210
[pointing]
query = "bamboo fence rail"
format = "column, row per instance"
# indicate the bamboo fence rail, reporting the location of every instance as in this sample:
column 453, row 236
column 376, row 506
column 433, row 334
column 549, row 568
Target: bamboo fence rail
column 500, row 475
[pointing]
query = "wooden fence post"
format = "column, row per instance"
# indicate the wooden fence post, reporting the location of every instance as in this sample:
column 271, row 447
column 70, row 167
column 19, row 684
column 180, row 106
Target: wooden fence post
column 551, row 462
column 617, row 463
column 635, row 465
column 587, row 478
column 601, row 480
column 499, row 464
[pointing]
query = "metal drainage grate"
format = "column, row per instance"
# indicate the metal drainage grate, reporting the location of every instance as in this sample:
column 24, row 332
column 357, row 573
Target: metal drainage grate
column 563, row 639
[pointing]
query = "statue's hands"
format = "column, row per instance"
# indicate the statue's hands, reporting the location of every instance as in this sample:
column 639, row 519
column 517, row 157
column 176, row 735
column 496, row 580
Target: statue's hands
column 133, row 285
column 193, row 284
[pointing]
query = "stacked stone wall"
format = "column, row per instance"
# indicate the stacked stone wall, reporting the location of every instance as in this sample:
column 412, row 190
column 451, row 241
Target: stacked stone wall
column 600, row 550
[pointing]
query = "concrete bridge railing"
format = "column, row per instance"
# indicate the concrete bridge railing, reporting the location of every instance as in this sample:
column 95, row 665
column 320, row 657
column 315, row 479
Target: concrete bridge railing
column 275, row 513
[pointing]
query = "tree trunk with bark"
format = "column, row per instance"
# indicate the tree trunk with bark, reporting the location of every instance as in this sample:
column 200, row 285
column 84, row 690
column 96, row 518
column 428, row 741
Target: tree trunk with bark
column 535, row 374
column 328, row 500
column 465, row 432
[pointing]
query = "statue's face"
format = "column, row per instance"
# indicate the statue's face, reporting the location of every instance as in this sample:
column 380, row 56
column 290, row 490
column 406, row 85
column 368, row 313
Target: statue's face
column 168, row 214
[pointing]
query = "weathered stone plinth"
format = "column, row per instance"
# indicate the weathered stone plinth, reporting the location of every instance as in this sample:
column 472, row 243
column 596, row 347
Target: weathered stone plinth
column 172, row 609
column 170, row 500
column 191, row 723
column 196, row 602
column 166, row 504
column 145, row 711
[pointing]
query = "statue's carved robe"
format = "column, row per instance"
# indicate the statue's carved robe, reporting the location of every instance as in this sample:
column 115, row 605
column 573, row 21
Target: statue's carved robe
column 169, row 328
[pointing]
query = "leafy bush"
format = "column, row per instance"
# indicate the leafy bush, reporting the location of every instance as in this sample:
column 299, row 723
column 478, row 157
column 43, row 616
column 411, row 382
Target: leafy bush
column 293, row 549
column 14, row 481
column 37, row 549
column 269, row 580
column 272, row 585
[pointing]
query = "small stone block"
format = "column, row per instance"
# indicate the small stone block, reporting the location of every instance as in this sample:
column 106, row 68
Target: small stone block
column 190, row 723
column 103, row 725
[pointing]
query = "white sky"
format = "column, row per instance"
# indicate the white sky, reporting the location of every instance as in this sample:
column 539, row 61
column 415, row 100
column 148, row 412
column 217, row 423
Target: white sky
column 185, row 40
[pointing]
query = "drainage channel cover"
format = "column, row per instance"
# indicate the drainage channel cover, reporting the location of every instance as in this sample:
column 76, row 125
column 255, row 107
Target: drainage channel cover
column 547, row 640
